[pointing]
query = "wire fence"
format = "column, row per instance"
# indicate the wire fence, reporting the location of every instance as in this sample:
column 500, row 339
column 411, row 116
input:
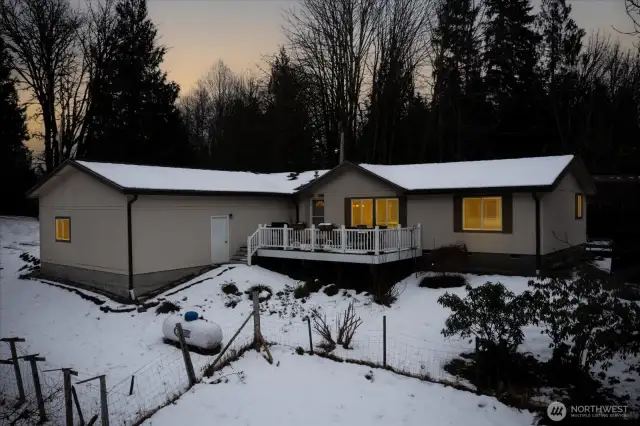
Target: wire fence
column 162, row 381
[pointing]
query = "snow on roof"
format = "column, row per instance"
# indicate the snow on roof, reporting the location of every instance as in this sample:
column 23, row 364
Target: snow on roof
column 518, row 172
column 131, row 176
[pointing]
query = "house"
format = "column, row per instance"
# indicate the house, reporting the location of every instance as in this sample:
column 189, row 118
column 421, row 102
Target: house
column 129, row 230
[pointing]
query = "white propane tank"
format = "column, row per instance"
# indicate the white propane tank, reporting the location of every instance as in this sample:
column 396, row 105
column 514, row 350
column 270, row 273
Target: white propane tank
column 199, row 333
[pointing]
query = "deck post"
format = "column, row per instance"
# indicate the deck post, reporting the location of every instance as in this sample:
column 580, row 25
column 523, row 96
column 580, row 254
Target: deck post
column 376, row 240
column 313, row 237
column 419, row 242
column 259, row 235
column 343, row 239
column 285, row 237
column 249, row 250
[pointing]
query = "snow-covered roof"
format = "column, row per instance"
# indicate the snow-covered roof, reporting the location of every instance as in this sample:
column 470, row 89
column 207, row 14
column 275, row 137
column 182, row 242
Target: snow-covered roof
column 129, row 176
column 519, row 172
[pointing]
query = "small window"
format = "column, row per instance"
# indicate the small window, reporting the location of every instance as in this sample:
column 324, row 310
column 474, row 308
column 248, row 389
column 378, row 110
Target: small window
column 63, row 229
column 579, row 206
column 482, row 214
column 317, row 211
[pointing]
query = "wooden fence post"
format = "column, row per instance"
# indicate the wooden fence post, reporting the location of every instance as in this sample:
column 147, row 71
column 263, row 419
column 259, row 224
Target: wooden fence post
column 68, row 398
column 310, row 339
column 78, row 409
column 384, row 341
column 256, row 320
column 16, row 365
column 187, row 357
column 104, row 407
column 131, row 385
column 33, row 359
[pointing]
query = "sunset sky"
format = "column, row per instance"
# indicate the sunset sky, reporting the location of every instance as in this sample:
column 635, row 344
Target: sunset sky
column 241, row 32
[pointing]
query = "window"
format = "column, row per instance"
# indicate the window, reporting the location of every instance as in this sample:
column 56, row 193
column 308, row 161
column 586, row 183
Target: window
column 387, row 212
column 317, row 211
column 482, row 214
column 579, row 206
column 63, row 229
column 362, row 213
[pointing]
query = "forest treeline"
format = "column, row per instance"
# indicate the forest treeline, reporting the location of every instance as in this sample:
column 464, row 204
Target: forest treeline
column 402, row 81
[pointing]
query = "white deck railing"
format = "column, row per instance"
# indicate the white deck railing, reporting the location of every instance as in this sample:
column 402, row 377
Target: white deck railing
column 353, row 241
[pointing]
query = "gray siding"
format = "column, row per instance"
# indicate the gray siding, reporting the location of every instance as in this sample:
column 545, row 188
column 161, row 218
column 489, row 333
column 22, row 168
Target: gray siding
column 347, row 184
column 173, row 232
column 98, row 224
column 559, row 224
column 435, row 214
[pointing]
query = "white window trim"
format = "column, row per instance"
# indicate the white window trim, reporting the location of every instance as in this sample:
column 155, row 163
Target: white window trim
column 311, row 216
column 386, row 210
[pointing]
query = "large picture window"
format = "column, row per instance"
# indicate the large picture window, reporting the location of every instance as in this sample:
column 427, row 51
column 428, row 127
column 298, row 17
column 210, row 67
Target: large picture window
column 375, row 212
column 482, row 214
column 387, row 212
column 362, row 213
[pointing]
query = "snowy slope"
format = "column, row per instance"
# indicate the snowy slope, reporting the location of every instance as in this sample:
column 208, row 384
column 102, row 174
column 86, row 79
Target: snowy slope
column 73, row 332
column 318, row 392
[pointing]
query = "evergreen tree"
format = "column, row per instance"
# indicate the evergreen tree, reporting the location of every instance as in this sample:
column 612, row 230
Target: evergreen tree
column 16, row 171
column 511, row 79
column 458, row 93
column 135, row 119
column 288, row 117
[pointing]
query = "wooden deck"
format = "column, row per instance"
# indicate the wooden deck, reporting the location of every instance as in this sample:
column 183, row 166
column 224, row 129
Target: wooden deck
column 372, row 246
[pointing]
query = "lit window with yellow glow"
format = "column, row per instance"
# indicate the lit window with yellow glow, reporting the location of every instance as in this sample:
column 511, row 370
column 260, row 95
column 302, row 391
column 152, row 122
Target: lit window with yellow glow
column 63, row 229
column 387, row 212
column 482, row 214
column 579, row 206
column 362, row 213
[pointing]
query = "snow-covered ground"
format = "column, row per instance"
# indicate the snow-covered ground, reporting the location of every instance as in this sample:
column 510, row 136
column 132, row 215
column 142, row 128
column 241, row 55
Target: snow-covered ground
column 70, row 331
column 300, row 389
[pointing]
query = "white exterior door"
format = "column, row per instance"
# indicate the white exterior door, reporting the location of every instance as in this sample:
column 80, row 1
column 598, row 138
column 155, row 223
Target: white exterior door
column 219, row 239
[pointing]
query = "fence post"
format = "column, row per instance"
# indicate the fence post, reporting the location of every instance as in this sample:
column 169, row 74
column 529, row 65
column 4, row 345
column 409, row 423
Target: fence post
column 131, row 385
column 310, row 339
column 104, row 407
column 78, row 409
column 376, row 242
column 285, row 237
column 185, row 354
column 68, row 398
column 384, row 340
column 256, row 320
column 343, row 239
column 33, row 359
column 16, row 365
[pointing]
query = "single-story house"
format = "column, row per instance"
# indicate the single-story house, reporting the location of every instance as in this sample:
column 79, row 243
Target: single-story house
column 128, row 229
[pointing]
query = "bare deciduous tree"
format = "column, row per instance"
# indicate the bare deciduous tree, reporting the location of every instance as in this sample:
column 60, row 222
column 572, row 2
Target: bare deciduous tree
column 42, row 36
column 633, row 10
column 332, row 41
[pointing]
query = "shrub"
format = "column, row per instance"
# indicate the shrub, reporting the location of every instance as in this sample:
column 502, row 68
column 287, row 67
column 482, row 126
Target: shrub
column 301, row 291
column 321, row 327
column 260, row 288
column 443, row 281
column 449, row 258
column 331, row 290
column 347, row 326
column 229, row 288
column 313, row 285
column 385, row 294
column 167, row 307
column 299, row 350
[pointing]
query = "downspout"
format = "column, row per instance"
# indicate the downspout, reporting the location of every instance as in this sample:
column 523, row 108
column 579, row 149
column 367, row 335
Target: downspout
column 536, row 198
column 132, row 295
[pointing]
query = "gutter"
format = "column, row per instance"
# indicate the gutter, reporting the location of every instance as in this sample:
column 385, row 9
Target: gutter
column 132, row 295
column 536, row 198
